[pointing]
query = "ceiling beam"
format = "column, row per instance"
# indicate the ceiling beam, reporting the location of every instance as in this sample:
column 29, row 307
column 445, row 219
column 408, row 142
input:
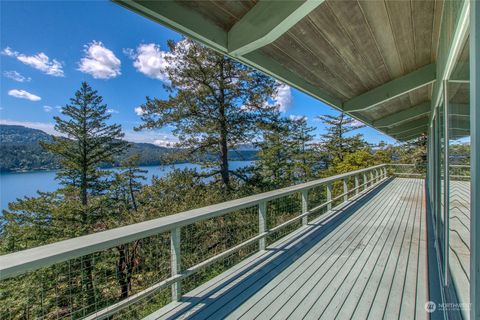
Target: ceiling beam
column 398, row 118
column 391, row 90
column 412, row 133
column 265, row 23
column 409, row 126
column 410, row 136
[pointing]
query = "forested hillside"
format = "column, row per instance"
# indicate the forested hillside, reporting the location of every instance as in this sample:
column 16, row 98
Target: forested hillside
column 20, row 150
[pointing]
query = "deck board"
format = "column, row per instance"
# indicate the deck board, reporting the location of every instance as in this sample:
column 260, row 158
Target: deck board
column 366, row 259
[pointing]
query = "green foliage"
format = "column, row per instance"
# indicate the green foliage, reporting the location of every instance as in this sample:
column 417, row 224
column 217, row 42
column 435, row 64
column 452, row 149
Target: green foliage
column 286, row 156
column 414, row 151
column 354, row 161
column 336, row 142
column 215, row 104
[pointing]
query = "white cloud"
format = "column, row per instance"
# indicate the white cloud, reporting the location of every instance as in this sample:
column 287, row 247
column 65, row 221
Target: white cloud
column 112, row 111
column 99, row 62
column 139, row 111
column 356, row 123
column 150, row 60
column 14, row 75
column 296, row 117
column 283, row 97
column 40, row 61
column 44, row 126
column 47, row 108
column 22, row 94
column 9, row 52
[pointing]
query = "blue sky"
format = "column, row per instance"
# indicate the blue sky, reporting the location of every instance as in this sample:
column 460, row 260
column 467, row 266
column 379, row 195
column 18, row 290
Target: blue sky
column 49, row 48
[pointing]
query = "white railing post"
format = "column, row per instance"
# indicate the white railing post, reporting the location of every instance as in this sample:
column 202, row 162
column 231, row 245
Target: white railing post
column 372, row 182
column 329, row 196
column 175, row 262
column 356, row 184
column 345, row 190
column 262, row 223
column 376, row 175
column 304, row 206
column 365, row 183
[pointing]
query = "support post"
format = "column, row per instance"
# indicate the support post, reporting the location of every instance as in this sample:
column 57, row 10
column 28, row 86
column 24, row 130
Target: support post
column 345, row 190
column 304, row 206
column 356, row 184
column 175, row 262
column 446, row 186
column 329, row 196
column 262, row 223
column 474, row 159
column 365, row 183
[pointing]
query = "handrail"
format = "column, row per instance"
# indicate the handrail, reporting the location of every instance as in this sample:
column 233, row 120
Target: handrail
column 30, row 259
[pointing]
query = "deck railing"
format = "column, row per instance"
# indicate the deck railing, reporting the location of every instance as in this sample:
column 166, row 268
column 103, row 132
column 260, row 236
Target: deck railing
column 170, row 250
column 408, row 170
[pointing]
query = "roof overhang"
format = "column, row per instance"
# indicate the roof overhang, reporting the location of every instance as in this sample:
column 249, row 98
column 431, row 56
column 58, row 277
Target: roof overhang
column 374, row 61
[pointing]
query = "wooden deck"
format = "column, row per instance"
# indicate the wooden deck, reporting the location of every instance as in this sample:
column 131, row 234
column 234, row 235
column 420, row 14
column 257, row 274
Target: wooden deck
column 367, row 259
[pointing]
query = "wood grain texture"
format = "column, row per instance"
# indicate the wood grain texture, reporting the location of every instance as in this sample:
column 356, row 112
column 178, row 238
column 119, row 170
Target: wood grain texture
column 223, row 13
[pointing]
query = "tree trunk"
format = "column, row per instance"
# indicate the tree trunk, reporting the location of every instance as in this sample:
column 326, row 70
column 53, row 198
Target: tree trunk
column 223, row 138
column 224, row 162
column 122, row 271
column 132, row 193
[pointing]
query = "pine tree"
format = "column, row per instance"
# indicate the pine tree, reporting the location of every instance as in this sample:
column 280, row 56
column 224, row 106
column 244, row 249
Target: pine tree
column 301, row 139
column 87, row 141
column 336, row 142
column 274, row 164
column 215, row 104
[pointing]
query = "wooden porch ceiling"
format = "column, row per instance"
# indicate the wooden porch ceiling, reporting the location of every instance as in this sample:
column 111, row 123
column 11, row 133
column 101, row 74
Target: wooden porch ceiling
column 371, row 59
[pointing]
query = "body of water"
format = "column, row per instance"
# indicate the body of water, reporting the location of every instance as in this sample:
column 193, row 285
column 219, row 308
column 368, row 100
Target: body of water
column 26, row 184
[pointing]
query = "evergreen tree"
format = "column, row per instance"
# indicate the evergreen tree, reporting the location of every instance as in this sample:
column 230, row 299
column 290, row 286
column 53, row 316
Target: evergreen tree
column 91, row 142
column 215, row 104
column 336, row 142
column 274, row 164
column 303, row 156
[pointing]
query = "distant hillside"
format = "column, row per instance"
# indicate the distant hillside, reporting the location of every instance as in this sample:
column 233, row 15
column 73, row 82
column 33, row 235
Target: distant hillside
column 20, row 151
